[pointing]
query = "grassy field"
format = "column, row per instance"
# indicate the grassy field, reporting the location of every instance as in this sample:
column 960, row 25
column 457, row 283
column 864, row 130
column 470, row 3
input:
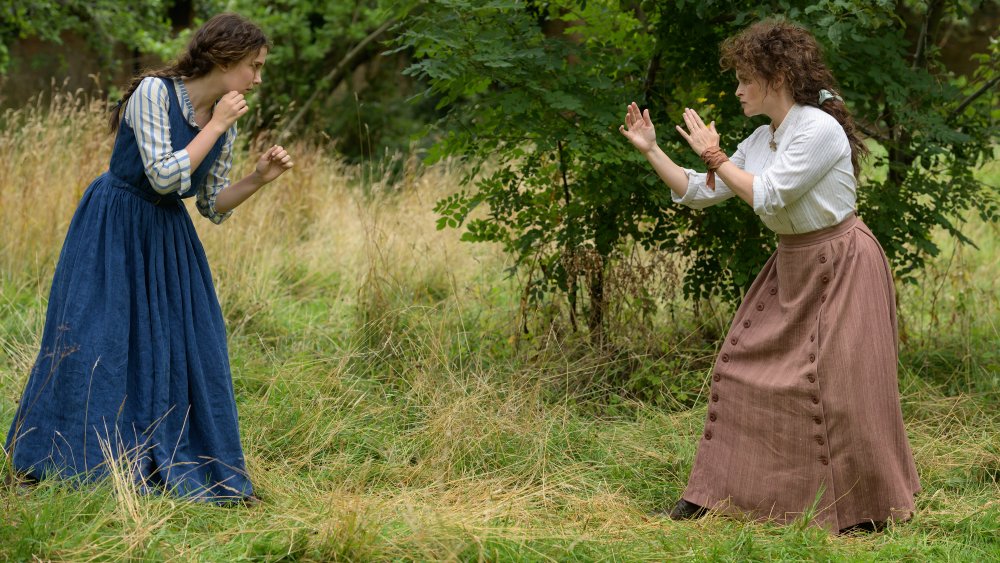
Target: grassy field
column 388, row 412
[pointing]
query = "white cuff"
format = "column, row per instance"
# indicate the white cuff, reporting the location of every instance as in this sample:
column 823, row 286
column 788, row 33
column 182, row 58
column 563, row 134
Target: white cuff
column 693, row 186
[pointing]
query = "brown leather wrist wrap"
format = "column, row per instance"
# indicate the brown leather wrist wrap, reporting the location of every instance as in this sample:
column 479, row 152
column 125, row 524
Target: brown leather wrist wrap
column 714, row 158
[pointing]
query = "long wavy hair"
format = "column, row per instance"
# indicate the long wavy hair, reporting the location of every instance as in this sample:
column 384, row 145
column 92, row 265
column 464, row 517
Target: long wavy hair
column 223, row 40
column 776, row 50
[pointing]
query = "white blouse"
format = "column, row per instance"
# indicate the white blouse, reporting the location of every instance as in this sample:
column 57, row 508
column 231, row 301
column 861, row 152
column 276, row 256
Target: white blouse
column 805, row 185
column 169, row 171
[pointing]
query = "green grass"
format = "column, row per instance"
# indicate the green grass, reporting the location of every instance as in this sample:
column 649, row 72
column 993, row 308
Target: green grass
column 389, row 413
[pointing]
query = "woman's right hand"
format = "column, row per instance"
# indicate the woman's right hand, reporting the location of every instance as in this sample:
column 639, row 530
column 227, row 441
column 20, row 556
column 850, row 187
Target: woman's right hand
column 638, row 128
column 229, row 108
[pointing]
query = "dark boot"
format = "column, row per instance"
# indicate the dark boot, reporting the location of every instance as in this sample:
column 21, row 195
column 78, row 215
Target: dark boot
column 868, row 527
column 685, row 510
column 249, row 501
column 18, row 481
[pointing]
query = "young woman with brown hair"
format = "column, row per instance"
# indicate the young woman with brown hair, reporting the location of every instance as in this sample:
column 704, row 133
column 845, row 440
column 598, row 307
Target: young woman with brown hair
column 804, row 413
column 133, row 368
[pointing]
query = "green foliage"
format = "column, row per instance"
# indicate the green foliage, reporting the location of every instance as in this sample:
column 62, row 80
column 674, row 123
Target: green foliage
column 540, row 105
column 935, row 136
column 364, row 111
column 102, row 22
column 359, row 100
column 542, row 111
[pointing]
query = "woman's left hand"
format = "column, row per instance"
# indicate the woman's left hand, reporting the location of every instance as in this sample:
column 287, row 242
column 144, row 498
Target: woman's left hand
column 272, row 163
column 698, row 135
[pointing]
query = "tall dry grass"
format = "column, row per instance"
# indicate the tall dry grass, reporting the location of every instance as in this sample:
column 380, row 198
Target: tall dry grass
column 52, row 149
column 323, row 210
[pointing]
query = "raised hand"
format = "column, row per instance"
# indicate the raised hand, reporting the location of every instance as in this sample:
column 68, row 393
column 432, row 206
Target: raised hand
column 698, row 135
column 272, row 163
column 229, row 108
column 638, row 128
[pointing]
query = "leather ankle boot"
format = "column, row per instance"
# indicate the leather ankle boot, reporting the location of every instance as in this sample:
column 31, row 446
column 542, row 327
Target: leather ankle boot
column 685, row 510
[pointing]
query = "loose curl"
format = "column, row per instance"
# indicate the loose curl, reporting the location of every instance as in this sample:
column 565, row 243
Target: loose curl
column 776, row 50
column 223, row 40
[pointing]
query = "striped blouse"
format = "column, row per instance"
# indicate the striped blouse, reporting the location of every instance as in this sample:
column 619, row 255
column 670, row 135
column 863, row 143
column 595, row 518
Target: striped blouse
column 805, row 185
column 168, row 170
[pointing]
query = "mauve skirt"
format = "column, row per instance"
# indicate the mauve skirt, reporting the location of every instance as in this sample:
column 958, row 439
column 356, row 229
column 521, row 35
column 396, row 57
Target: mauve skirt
column 804, row 415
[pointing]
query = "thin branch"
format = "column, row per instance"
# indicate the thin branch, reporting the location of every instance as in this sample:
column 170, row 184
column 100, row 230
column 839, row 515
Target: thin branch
column 927, row 31
column 921, row 41
column 334, row 75
column 651, row 73
column 965, row 103
column 571, row 297
column 871, row 134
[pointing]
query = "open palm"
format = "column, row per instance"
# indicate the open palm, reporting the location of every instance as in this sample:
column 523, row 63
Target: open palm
column 638, row 128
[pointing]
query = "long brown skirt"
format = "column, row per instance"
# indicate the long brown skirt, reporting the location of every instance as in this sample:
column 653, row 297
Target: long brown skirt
column 804, row 415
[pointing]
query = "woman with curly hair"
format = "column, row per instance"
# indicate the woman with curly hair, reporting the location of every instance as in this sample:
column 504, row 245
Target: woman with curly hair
column 133, row 370
column 804, row 415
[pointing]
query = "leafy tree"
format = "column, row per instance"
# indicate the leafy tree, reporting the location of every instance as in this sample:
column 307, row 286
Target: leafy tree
column 542, row 110
column 318, row 46
column 104, row 23
column 536, row 91
column 936, row 131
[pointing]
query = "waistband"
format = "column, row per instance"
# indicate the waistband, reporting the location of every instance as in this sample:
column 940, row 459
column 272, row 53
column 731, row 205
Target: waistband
column 159, row 200
column 805, row 239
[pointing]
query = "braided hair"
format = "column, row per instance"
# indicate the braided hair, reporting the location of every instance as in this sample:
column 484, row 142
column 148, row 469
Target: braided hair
column 223, row 40
column 775, row 49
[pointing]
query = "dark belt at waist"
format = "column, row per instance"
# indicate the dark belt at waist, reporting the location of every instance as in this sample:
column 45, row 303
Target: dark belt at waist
column 159, row 200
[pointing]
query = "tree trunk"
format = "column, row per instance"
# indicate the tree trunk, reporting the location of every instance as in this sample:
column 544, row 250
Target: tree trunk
column 595, row 321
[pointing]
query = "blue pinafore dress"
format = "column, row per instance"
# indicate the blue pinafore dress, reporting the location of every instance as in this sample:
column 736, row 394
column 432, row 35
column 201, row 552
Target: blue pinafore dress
column 133, row 371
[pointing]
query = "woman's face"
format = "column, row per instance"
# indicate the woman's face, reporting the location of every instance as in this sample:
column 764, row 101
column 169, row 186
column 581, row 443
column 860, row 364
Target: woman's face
column 751, row 93
column 245, row 75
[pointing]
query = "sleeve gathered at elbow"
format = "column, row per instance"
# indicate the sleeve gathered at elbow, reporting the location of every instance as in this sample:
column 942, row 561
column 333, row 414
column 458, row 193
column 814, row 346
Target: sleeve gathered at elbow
column 217, row 180
column 698, row 195
column 147, row 113
column 809, row 156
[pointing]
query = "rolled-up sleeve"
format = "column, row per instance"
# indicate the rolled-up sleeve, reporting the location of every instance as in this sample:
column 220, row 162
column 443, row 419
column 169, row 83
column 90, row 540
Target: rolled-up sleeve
column 147, row 114
column 812, row 151
column 698, row 194
column 217, row 180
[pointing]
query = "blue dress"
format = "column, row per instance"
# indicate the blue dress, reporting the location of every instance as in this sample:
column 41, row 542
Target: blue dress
column 134, row 368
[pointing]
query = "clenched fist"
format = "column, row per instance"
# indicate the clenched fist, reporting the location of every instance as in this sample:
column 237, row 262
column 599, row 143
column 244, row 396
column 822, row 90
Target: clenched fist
column 272, row 163
column 229, row 108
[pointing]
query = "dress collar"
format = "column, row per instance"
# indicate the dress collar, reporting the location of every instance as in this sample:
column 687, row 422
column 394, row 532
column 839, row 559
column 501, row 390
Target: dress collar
column 187, row 108
column 787, row 123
